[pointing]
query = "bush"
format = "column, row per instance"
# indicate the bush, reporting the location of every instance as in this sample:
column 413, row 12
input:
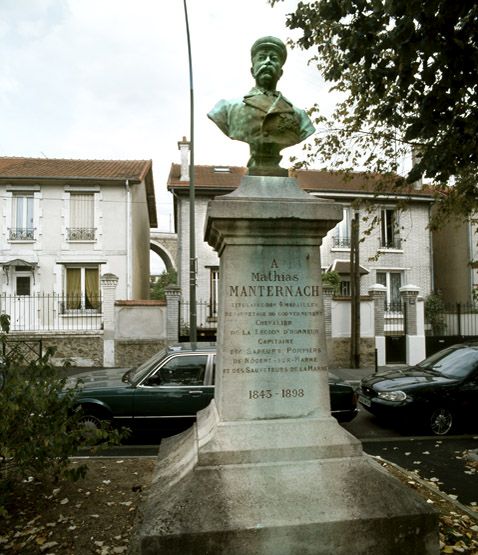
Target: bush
column 434, row 313
column 40, row 427
column 332, row 279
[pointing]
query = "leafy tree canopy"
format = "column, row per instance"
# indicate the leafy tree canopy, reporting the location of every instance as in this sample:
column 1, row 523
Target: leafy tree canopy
column 158, row 286
column 408, row 74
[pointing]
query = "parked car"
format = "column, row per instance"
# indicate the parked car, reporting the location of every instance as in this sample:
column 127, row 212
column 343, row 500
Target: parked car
column 439, row 394
column 170, row 387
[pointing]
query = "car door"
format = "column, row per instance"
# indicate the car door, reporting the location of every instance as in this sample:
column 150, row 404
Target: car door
column 176, row 390
column 468, row 401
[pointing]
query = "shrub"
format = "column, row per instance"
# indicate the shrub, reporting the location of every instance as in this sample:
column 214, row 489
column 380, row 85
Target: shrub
column 434, row 313
column 332, row 279
column 40, row 428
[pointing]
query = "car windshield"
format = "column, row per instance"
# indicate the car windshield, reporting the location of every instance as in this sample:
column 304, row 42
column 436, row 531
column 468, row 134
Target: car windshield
column 136, row 374
column 453, row 362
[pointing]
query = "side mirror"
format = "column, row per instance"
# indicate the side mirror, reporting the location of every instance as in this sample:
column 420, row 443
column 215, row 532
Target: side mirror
column 153, row 380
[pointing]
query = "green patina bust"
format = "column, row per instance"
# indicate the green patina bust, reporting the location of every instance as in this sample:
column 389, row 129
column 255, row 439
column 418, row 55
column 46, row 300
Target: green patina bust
column 263, row 118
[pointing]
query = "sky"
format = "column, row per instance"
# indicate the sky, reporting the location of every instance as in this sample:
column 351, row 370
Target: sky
column 109, row 79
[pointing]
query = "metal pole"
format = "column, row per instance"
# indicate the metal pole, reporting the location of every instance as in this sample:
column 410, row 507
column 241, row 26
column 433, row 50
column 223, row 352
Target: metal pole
column 192, row 225
column 355, row 293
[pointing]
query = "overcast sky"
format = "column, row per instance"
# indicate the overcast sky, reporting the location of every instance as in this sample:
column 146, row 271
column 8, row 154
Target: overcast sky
column 109, row 79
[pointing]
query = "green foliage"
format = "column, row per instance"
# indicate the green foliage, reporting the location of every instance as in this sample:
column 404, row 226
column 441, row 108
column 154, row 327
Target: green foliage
column 40, row 427
column 332, row 279
column 434, row 313
column 406, row 73
column 157, row 288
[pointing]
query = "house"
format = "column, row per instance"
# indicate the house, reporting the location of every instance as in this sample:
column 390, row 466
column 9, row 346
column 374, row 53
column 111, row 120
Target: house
column 455, row 259
column 65, row 224
column 395, row 252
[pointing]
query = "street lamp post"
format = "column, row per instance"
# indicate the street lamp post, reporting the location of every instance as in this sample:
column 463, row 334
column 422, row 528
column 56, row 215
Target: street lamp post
column 192, row 225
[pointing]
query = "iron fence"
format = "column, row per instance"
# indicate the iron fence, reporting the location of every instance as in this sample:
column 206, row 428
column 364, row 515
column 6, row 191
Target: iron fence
column 394, row 319
column 23, row 352
column 52, row 312
column 457, row 319
column 206, row 318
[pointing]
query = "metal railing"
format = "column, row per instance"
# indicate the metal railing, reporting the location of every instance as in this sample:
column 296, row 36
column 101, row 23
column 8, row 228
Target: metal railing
column 457, row 319
column 394, row 318
column 52, row 312
column 206, row 316
column 81, row 233
column 393, row 243
column 341, row 242
column 21, row 233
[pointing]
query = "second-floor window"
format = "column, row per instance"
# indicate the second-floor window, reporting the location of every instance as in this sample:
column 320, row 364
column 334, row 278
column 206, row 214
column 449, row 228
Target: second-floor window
column 389, row 229
column 341, row 237
column 82, row 217
column 22, row 218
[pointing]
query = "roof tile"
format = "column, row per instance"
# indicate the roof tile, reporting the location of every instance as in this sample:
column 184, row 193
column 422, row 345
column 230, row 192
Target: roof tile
column 57, row 168
column 212, row 177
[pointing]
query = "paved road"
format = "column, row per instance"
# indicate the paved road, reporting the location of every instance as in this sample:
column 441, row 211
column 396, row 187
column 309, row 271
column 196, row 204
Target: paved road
column 440, row 459
column 433, row 457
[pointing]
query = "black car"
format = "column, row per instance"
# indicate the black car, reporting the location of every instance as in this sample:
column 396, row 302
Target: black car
column 170, row 388
column 440, row 394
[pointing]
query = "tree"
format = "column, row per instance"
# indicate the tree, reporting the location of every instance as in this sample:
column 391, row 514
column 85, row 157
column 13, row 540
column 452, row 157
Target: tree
column 157, row 287
column 407, row 73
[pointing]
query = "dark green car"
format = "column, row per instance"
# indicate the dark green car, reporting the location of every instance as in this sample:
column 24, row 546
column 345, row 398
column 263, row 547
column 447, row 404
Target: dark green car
column 169, row 389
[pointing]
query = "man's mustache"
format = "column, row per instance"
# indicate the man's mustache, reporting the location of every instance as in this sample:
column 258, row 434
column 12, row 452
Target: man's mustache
column 265, row 67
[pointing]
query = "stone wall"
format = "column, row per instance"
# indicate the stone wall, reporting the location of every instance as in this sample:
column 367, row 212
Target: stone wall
column 338, row 349
column 80, row 349
column 140, row 331
column 133, row 352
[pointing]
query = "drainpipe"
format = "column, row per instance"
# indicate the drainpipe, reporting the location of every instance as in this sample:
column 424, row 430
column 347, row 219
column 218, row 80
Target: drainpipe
column 128, row 241
column 432, row 263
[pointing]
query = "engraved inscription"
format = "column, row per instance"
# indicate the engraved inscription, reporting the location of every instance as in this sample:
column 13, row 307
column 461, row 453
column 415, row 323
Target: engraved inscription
column 279, row 315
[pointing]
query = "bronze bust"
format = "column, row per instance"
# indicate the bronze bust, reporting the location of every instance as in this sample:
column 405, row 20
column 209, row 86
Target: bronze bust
column 263, row 118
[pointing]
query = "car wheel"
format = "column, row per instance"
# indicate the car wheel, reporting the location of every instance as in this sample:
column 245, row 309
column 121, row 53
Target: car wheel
column 441, row 421
column 91, row 423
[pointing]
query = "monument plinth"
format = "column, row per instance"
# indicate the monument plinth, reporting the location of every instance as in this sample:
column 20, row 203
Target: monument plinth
column 266, row 470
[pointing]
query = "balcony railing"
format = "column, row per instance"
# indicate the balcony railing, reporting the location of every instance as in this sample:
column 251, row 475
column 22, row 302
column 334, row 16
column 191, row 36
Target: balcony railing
column 393, row 243
column 21, row 234
column 341, row 242
column 81, row 233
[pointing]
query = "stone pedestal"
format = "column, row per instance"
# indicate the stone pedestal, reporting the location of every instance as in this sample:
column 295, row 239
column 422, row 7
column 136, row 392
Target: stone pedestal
column 266, row 469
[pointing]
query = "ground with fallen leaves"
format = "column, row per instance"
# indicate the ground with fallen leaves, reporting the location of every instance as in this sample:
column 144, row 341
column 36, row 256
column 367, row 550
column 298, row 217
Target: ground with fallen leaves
column 92, row 516
column 458, row 523
column 96, row 515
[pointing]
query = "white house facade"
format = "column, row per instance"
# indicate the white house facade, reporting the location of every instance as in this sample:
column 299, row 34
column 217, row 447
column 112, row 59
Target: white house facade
column 65, row 223
column 396, row 251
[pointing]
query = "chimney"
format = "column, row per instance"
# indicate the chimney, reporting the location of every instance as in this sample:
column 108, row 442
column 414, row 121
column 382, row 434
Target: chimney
column 416, row 157
column 183, row 146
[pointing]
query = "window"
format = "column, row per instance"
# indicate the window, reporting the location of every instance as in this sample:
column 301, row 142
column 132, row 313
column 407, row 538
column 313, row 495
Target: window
column 342, row 232
column 23, row 285
column 82, row 217
column 389, row 236
column 184, row 370
column 213, row 292
column 82, row 288
column 392, row 281
column 22, row 218
column 344, row 287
